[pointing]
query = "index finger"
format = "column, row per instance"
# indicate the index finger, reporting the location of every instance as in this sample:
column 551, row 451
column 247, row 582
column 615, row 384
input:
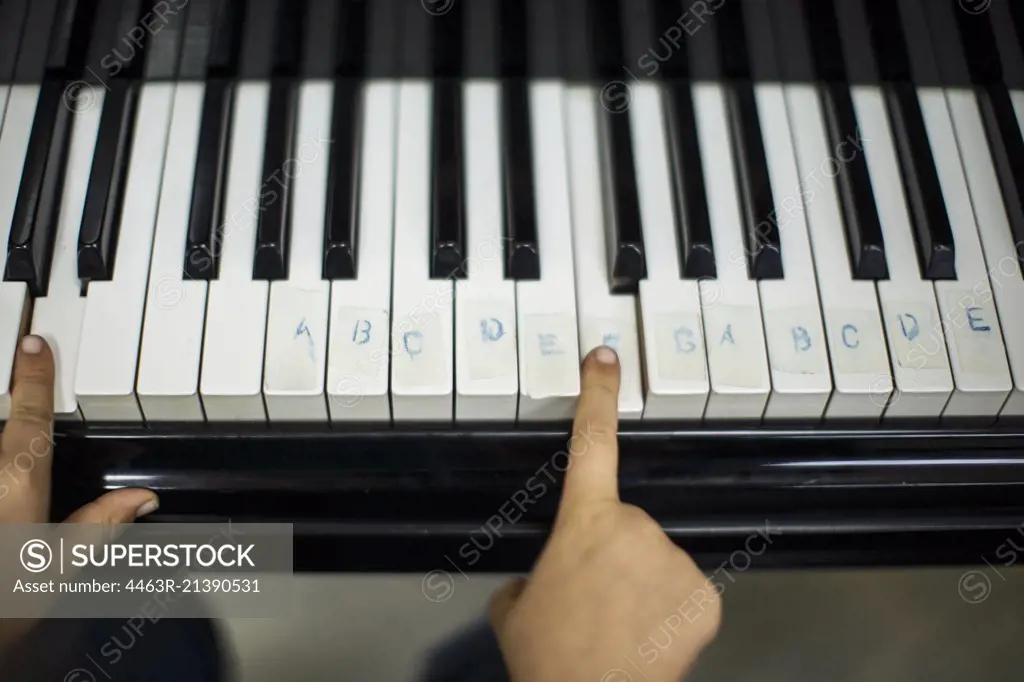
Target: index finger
column 29, row 429
column 593, row 472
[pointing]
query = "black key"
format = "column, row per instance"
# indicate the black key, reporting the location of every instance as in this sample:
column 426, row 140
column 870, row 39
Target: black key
column 342, row 213
column 270, row 260
column 289, row 25
column 733, row 45
column 1007, row 148
column 979, row 41
column 761, row 228
column 522, row 251
column 997, row 111
column 447, row 229
column 101, row 216
column 447, row 41
column 226, row 45
column 1007, row 46
column 12, row 21
column 134, row 29
column 213, row 37
column 624, row 238
column 415, row 58
column 96, row 55
column 271, row 257
column 513, row 36
column 163, row 51
column 855, row 33
column 934, row 236
column 900, row 69
column 606, row 41
column 856, row 197
column 1016, row 11
column 200, row 34
column 667, row 56
column 693, row 223
column 822, row 27
column 383, row 53
column 75, row 26
column 258, row 34
column 853, row 182
column 34, row 226
column 544, row 39
column 206, row 215
column 886, row 33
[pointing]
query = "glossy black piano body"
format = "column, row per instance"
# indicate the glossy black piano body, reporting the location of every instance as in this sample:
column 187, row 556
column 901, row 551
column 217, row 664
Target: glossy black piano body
column 418, row 500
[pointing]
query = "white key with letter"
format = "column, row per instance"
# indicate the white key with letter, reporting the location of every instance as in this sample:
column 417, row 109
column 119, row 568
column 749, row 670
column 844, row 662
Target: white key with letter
column 604, row 319
column 920, row 367
column 737, row 355
column 172, row 336
column 670, row 307
column 359, row 359
column 422, row 316
column 797, row 351
column 112, row 327
column 486, row 367
column 236, row 318
column 549, row 380
column 977, row 356
column 296, row 357
column 1007, row 284
column 853, row 325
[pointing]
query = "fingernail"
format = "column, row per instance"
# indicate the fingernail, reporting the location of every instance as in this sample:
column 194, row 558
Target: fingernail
column 32, row 345
column 606, row 356
column 148, row 507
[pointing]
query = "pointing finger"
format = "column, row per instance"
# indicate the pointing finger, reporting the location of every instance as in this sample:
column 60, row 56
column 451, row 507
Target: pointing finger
column 593, row 450
column 27, row 441
column 31, row 419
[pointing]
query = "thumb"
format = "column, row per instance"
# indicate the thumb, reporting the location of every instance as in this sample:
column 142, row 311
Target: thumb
column 118, row 506
column 503, row 599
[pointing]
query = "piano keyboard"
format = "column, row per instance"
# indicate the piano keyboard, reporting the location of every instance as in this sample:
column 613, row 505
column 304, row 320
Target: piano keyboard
column 225, row 211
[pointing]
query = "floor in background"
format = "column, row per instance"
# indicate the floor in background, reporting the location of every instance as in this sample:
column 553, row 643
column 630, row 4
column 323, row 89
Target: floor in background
column 820, row 626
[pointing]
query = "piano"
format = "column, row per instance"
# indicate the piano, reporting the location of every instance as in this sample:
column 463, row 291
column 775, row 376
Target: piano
column 335, row 263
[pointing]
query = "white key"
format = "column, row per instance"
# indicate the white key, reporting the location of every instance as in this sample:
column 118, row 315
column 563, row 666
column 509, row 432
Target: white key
column 1015, row 403
column 603, row 319
column 172, row 336
column 17, row 126
column 974, row 338
column 358, row 362
column 737, row 354
column 549, row 379
column 112, row 327
column 797, row 351
column 57, row 317
column 996, row 238
column 236, row 319
column 670, row 307
column 421, row 325
column 486, row 369
column 909, row 312
column 293, row 373
column 853, row 325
